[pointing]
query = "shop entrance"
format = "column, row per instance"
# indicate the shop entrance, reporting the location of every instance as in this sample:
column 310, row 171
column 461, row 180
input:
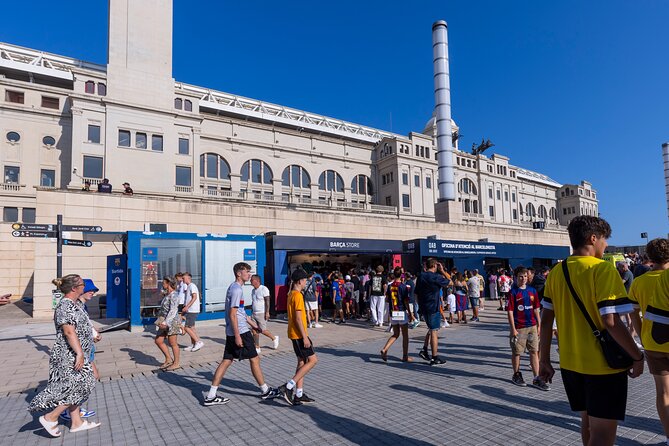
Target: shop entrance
column 495, row 263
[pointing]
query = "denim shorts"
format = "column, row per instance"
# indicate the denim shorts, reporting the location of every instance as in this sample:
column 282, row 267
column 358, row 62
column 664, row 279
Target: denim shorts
column 433, row 320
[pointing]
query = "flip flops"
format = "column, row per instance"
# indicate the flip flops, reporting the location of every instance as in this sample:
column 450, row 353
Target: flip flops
column 86, row 425
column 384, row 356
column 50, row 426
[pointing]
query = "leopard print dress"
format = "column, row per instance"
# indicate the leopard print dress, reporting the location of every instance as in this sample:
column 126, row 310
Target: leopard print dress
column 67, row 386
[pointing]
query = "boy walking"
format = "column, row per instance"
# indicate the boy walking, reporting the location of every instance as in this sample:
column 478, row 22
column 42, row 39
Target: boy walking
column 523, row 312
column 260, row 305
column 398, row 298
column 238, row 340
column 191, row 310
column 293, row 390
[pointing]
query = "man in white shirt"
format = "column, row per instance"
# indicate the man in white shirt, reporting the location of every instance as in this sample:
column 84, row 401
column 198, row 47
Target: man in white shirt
column 191, row 310
column 260, row 302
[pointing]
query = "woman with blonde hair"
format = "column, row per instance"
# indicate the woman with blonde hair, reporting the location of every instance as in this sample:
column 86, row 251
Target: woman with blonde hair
column 169, row 324
column 71, row 379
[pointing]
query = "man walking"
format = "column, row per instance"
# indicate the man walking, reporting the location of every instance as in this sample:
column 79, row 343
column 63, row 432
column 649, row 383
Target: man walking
column 260, row 305
column 191, row 310
column 377, row 291
column 238, row 340
column 474, row 294
column 398, row 299
column 428, row 287
column 593, row 387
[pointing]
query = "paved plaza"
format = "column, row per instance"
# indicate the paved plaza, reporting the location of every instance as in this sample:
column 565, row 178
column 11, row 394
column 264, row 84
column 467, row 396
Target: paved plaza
column 360, row 399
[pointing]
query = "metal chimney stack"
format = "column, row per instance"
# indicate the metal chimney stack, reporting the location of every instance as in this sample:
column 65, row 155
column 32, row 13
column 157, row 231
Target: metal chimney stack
column 442, row 98
column 665, row 155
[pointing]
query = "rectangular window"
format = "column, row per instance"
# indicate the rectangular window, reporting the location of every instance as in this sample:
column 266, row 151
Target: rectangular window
column 499, row 194
column 94, row 133
column 12, row 174
column 392, row 177
column 28, row 215
column 188, row 105
column 389, row 201
column 49, row 102
column 506, row 196
column 428, row 183
column 405, row 178
column 489, row 193
column 422, row 151
column 513, row 197
column 102, row 89
column 92, row 166
column 123, row 138
column 417, row 150
column 427, row 152
column 10, row 214
column 157, row 143
column 89, row 87
column 515, row 214
column 184, row 148
column 383, row 179
column 47, row 178
column 405, row 201
column 491, row 210
column 140, row 140
column 416, row 180
column 183, row 176
column 16, row 97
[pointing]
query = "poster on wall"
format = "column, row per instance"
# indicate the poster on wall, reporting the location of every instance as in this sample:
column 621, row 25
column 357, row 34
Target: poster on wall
column 149, row 276
column 221, row 256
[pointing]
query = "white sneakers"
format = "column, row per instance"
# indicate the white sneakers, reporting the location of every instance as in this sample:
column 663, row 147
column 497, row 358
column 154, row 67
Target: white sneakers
column 197, row 346
column 258, row 350
column 275, row 343
column 317, row 325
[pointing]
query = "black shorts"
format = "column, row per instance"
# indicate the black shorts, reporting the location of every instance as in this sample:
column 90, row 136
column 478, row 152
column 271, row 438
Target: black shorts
column 601, row 396
column 301, row 351
column 248, row 351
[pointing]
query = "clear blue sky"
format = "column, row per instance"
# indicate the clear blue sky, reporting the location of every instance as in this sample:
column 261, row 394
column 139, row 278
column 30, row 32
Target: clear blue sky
column 575, row 90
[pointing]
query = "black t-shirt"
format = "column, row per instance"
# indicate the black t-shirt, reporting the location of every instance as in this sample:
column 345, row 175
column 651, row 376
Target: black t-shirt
column 356, row 283
column 376, row 284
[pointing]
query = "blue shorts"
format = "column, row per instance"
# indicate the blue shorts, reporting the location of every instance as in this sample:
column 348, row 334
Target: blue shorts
column 432, row 320
column 92, row 357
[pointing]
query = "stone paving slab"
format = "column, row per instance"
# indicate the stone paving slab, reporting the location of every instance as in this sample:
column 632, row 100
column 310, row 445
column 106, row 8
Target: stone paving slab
column 360, row 401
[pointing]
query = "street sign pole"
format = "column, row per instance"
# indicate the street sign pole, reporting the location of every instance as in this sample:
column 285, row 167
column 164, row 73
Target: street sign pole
column 59, row 246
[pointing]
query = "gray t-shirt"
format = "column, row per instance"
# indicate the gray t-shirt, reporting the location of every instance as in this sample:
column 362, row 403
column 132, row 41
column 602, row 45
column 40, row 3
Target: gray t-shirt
column 234, row 298
column 474, row 286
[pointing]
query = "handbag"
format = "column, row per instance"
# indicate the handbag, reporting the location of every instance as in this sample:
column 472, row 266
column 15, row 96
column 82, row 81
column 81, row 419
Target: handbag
column 159, row 320
column 616, row 357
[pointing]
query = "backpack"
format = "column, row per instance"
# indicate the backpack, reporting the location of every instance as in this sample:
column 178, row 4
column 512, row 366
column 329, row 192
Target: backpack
column 377, row 285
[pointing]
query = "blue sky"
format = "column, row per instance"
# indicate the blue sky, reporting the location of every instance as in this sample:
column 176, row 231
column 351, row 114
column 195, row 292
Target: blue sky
column 572, row 89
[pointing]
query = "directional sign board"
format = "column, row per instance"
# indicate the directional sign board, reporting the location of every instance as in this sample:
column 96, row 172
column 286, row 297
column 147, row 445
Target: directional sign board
column 79, row 228
column 47, row 234
column 32, row 227
column 85, row 243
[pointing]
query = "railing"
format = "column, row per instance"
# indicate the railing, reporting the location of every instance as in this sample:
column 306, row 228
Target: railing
column 183, row 189
column 383, row 208
column 93, row 181
column 223, row 194
column 15, row 187
column 473, row 216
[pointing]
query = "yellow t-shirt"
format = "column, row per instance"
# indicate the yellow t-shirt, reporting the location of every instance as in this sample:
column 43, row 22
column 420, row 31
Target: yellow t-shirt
column 655, row 327
column 295, row 304
column 601, row 290
column 643, row 287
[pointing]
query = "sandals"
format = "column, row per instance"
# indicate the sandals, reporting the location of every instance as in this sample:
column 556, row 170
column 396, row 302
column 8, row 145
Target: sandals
column 384, row 356
column 407, row 359
column 165, row 365
column 172, row 367
column 86, row 425
column 50, row 426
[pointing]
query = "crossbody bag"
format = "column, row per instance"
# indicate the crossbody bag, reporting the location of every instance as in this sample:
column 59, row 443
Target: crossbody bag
column 616, row 357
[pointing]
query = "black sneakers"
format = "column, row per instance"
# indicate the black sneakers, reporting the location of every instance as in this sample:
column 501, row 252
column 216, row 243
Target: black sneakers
column 271, row 393
column 436, row 360
column 288, row 394
column 540, row 384
column 423, row 354
column 304, row 399
column 216, row 401
column 518, row 379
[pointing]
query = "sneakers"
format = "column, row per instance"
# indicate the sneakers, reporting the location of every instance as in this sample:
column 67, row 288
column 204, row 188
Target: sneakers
column 216, row 401
column 474, row 319
column 198, row 345
column 271, row 393
column 275, row 343
column 436, row 360
column 258, row 350
column 518, row 379
column 423, row 354
column 288, row 394
column 445, row 324
column 189, row 348
column 304, row 399
column 317, row 325
column 83, row 413
column 540, row 384
column 312, row 325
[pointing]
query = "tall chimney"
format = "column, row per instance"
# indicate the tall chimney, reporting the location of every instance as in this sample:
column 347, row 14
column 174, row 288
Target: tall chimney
column 442, row 98
column 665, row 155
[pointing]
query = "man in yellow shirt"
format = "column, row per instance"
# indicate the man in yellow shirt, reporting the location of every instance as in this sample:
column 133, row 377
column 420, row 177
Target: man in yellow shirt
column 293, row 391
column 651, row 292
column 593, row 388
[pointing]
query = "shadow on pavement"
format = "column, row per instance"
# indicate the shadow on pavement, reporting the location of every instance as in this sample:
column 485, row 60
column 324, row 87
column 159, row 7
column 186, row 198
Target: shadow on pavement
column 140, row 357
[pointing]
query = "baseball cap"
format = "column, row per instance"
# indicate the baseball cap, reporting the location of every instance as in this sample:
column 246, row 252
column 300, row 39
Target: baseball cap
column 90, row 286
column 298, row 274
column 347, row 277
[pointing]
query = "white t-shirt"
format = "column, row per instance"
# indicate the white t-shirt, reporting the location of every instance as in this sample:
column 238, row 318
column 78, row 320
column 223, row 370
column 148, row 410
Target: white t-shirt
column 181, row 290
column 258, row 296
column 474, row 287
column 450, row 300
column 190, row 290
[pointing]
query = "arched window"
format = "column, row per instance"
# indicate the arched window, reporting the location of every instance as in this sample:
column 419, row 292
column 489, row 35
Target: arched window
column 89, row 87
column 361, row 185
column 295, row 176
column 530, row 210
column 331, row 180
column 214, row 166
column 553, row 214
column 542, row 212
column 178, row 103
column 467, row 186
column 257, row 172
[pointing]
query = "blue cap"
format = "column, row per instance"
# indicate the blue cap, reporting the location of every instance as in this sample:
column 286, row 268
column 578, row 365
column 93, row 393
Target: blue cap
column 90, row 286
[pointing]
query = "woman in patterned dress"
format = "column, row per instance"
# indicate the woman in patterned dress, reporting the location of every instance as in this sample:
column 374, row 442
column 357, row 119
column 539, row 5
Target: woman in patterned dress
column 71, row 377
column 170, row 325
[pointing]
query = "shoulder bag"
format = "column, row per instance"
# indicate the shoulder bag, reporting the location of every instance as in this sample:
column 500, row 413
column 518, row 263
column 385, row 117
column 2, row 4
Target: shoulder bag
column 616, row 357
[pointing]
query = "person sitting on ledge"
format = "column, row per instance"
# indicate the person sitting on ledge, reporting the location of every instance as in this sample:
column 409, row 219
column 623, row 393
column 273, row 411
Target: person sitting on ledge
column 127, row 190
column 86, row 187
column 105, row 187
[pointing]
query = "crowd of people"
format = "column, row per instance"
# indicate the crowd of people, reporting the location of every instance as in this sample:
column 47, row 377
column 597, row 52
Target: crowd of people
column 613, row 319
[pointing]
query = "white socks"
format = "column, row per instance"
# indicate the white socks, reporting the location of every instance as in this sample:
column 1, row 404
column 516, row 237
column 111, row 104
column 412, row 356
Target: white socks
column 212, row 392
column 299, row 392
column 264, row 388
column 290, row 384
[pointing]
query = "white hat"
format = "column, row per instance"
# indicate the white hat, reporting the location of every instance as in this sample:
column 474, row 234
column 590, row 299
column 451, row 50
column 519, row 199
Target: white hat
column 347, row 277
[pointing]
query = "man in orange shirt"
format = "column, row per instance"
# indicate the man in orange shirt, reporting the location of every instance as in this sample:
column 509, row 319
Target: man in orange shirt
column 297, row 332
